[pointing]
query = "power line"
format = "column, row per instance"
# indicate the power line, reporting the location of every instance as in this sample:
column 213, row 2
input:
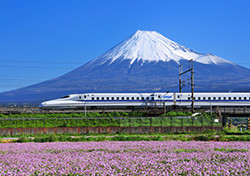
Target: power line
column 18, row 79
column 39, row 62
column 25, row 77
column 34, row 67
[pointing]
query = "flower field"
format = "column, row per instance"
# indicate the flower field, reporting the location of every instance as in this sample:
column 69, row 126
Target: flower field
column 125, row 158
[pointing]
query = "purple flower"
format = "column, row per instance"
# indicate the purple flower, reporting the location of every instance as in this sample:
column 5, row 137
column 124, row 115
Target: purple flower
column 125, row 158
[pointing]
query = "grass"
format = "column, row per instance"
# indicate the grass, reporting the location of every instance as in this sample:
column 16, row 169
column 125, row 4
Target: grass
column 120, row 119
column 209, row 135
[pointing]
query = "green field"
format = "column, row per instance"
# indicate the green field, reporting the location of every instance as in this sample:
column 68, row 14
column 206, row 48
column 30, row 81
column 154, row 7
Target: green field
column 209, row 135
column 120, row 119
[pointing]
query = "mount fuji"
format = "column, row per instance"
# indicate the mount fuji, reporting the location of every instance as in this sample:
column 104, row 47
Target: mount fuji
column 144, row 62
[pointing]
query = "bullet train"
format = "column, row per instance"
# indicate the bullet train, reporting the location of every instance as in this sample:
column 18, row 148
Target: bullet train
column 128, row 100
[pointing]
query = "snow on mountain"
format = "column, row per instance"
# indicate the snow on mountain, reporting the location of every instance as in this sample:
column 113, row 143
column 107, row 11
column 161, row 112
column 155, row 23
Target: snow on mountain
column 211, row 59
column 150, row 46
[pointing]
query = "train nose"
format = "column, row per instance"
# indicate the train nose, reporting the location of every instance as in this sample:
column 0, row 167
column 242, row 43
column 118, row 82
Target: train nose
column 42, row 105
column 45, row 104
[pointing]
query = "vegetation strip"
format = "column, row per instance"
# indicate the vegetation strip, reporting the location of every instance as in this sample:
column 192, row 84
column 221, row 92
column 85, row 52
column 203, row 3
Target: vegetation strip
column 116, row 119
column 207, row 136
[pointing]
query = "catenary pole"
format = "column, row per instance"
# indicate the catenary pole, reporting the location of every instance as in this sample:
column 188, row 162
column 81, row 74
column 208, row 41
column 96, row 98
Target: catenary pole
column 191, row 69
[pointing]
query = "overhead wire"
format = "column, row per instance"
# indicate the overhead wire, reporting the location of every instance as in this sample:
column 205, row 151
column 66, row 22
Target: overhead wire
column 38, row 62
column 8, row 80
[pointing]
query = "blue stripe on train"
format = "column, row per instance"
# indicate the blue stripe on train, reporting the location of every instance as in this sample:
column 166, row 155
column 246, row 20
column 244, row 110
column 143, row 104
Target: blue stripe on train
column 165, row 100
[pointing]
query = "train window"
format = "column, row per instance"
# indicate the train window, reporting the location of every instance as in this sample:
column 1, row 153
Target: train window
column 204, row 98
column 178, row 96
column 132, row 98
column 235, row 98
column 117, row 98
column 199, row 98
column 239, row 98
column 93, row 98
column 225, row 98
column 107, row 98
column 84, row 96
column 229, row 98
column 142, row 98
column 189, row 98
column 80, row 97
column 66, row 96
column 245, row 98
column 122, row 98
column 219, row 98
column 137, row 98
column 97, row 98
column 209, row 98
column 152, row 98
column 102, row 98
column 147, row 98
column 112, row 98
column 160, row 96
column 127, row 98
column 214, row 98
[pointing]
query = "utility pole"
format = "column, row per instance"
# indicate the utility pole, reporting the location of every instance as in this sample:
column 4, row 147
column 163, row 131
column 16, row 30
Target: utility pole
column 192, row 81
column 191, row 69
column 180, row 71
column 85, row 109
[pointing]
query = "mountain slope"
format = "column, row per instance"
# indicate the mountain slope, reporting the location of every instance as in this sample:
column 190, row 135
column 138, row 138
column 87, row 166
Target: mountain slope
column 145, row 62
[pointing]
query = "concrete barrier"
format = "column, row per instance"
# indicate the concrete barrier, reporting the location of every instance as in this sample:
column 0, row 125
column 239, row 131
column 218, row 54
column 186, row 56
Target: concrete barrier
column 104, row 130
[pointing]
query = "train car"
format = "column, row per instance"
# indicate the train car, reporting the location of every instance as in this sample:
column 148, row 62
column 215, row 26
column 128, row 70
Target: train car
column 98, row 100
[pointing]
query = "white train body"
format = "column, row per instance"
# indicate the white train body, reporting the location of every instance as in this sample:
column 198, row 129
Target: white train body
column 141, row 99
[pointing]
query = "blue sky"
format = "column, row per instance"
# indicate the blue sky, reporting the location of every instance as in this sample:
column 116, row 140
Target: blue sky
column 41, row 40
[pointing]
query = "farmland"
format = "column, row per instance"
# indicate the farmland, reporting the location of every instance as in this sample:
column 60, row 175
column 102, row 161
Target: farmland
column 125, row 158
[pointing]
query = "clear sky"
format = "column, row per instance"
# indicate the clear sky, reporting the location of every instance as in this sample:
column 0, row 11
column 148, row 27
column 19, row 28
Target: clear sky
column 43, row 39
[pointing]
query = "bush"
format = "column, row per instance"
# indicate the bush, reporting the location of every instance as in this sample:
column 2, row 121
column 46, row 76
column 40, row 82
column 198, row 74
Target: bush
column 171, row 114
column 201, row 138
column 100, row 138
column 235, row 132
column 63, row 138
column 210, row 131
column 156, row 138
column 39, row 139
column 52, row 138
column 222, row 138
column 22, row 139
column 238, row 138
column 221, row 132
column 136, row 138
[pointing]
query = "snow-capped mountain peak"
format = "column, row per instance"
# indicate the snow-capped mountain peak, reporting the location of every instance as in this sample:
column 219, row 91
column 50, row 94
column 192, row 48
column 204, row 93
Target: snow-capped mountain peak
column 150, row 46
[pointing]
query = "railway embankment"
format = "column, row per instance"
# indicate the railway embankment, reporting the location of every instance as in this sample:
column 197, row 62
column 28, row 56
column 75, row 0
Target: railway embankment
column 104, row 130
column 133, row 123
column 151, row 111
